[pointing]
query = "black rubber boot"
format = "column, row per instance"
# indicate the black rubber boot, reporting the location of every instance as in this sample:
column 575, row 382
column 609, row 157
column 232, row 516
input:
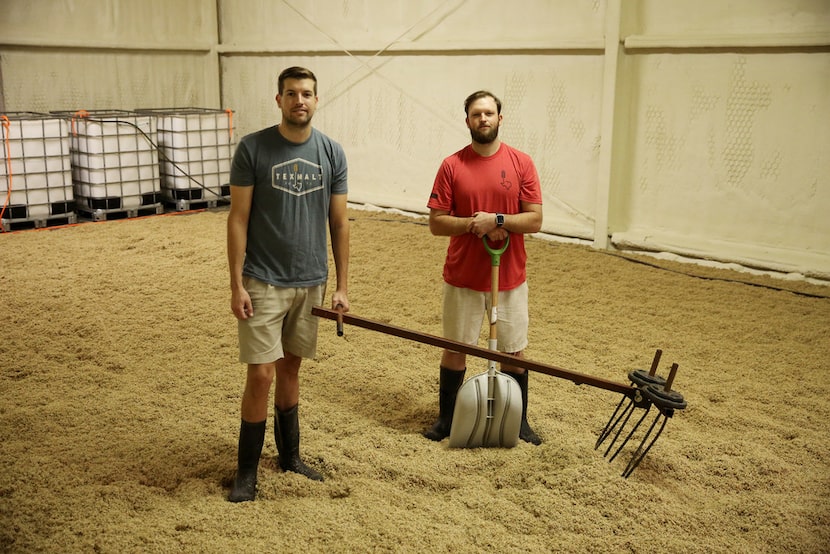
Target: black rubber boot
column 251, row 438
column 525, row 432
column 287, row 434
column 450, row 381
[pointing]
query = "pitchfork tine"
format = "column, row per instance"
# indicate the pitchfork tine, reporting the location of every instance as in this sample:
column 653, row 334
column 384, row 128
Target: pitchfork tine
column 609, row 427
column 631, row 434
column 640, row 453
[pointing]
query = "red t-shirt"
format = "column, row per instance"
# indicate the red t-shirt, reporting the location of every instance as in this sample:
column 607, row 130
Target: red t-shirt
column 467, row 183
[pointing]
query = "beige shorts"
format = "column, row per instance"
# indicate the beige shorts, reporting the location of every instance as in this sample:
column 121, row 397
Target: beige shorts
column 282, row 322
column 465, row 310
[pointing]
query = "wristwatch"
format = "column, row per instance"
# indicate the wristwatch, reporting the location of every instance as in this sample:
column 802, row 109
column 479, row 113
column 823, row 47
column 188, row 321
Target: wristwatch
column 499, row 220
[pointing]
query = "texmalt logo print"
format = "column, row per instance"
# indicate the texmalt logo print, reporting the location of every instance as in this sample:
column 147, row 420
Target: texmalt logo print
column 297, row 177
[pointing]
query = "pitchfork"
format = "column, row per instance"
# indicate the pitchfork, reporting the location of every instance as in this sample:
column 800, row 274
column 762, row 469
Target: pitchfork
column 651, row 390
column 646, row 389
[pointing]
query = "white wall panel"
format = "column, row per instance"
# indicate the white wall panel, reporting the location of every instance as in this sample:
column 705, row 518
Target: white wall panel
column 319, row 25
column 731, row 151
column 37, row 80
column 736, row 17
column 526, row 22
column 154, row 24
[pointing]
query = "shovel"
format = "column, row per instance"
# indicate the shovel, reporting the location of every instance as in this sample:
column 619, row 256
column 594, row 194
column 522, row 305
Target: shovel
column 488, row 407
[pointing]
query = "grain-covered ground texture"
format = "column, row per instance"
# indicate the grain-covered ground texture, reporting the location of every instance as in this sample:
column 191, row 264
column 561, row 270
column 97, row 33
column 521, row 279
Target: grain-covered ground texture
column 120, row 390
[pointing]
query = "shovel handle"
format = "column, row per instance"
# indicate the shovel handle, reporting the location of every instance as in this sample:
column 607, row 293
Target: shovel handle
column 495, row 253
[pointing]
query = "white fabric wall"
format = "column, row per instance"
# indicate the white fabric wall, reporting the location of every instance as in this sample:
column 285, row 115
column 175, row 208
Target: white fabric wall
column 691, row 126
column 727, row 149
column 102, row 54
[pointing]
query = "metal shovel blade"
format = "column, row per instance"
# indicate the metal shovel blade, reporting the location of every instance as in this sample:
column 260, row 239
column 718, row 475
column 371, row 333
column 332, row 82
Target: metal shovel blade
column 488, row 412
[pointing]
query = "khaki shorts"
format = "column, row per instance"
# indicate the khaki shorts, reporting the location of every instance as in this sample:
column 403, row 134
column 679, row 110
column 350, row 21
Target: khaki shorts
column 465, row 310
column 282, row 322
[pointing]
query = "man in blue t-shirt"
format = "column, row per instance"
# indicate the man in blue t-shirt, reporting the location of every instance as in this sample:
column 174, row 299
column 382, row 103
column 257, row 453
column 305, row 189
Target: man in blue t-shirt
column 287, row 182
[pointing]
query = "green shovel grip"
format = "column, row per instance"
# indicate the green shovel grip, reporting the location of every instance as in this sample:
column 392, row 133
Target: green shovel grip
column 495, row 254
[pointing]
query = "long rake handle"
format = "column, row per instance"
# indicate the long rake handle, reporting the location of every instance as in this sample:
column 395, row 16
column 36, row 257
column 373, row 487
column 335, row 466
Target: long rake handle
column 473, row 350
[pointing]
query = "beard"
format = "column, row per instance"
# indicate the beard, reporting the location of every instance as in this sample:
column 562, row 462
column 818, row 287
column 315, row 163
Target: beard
column 485, row 136
column 298, row 120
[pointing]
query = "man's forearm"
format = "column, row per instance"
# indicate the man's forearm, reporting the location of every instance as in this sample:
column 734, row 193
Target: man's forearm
column 237, row 241
column 340, row 253
column 524, row 222
column 447, row 225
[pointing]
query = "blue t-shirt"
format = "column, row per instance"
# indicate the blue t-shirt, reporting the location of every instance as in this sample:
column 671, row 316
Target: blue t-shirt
column 293, row 184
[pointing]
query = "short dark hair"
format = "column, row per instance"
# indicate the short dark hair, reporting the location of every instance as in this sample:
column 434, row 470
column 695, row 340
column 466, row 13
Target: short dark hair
column 295, row 72
column 478, row 95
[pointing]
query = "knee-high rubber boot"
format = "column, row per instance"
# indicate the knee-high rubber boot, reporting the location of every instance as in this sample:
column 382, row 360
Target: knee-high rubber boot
column 525, row 432
column 287, row 434
column 449, row 383
column 251, row 438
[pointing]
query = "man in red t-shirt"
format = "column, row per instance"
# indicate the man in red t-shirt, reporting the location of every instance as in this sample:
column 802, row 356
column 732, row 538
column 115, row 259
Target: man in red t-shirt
column 486, row 188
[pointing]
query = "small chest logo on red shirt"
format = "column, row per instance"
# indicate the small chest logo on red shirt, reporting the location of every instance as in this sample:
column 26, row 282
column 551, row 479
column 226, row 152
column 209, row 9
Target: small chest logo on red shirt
column 505, row 182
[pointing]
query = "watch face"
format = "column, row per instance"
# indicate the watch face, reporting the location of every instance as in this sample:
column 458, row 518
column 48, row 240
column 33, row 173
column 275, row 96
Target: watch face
column 499, row 220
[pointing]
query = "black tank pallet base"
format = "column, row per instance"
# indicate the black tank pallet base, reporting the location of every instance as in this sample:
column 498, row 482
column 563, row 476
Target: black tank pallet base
column 185, row 205
column 108, row 215
column 9, row 225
